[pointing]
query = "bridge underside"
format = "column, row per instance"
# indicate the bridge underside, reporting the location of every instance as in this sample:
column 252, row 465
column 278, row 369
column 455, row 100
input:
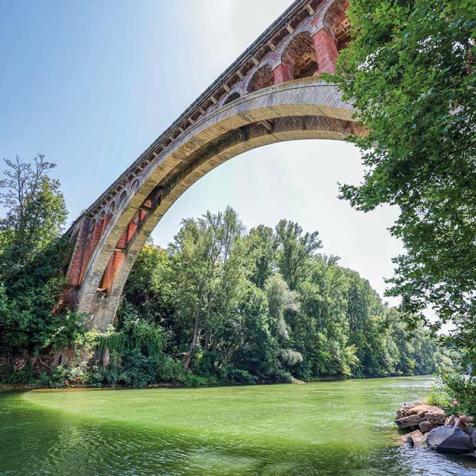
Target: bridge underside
column 265, row 106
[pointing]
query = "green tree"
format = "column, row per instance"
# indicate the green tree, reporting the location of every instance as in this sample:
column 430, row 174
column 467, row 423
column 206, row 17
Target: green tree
column 33, row 261
column 282, row 301
column 35, row 212
column 409, row 72
column 262, row 245
column 149, row 287
column 210, row 262
column 217, row 300
column 249, row 341
column 324, row 299
column 294, row 250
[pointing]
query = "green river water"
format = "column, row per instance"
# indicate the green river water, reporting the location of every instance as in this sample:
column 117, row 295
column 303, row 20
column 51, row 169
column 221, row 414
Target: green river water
column 320, row 428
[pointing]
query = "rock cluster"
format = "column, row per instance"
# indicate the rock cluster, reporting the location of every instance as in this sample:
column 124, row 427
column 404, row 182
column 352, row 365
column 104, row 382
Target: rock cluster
column 428, row 426
column 420, row 416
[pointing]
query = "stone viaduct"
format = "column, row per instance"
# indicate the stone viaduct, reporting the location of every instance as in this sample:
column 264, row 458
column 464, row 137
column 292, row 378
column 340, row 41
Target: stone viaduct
column 271, row 93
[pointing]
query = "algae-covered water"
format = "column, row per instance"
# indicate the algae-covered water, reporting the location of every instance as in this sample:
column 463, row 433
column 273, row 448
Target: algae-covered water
column 320, row 428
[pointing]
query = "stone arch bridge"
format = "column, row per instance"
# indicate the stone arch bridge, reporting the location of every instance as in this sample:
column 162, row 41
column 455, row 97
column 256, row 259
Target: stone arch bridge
column 271, row 93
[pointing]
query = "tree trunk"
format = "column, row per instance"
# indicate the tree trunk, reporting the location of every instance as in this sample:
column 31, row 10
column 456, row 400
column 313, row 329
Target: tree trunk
column 193, row 344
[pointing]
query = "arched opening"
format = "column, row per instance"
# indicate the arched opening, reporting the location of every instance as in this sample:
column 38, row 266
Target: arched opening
column 262, row 78
column 122, row 198
column 289, row 112
column 342, row 34
column 232, row 97
column 300, row 56
column 336, row 22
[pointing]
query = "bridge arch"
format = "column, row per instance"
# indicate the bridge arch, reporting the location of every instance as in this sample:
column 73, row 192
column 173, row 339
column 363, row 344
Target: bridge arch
column 261, row 78
column 302, row 109
column 271, row 93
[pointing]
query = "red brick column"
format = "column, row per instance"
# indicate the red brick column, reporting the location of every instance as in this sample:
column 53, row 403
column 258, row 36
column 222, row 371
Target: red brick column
column 282, row 73
column 326, row 51
column 73, row 274
column 113, row 266
column 93, row 241
column 132, row 227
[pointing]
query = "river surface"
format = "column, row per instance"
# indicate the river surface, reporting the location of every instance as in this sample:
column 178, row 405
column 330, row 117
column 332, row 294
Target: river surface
column 334, row 428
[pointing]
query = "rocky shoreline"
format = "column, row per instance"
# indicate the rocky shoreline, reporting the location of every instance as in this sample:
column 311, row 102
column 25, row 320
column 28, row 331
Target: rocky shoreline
column 429, row 426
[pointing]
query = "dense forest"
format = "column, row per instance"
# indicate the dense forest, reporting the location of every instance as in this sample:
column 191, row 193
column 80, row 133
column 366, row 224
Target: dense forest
column 263, row 306
column 220, row 304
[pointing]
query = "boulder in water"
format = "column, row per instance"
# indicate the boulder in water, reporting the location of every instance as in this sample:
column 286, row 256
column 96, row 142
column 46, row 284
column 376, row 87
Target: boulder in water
column 412, row 415
column 425, row 426
column 411, row 421
column 417, row 439
column 436, row 417
column 449, row 439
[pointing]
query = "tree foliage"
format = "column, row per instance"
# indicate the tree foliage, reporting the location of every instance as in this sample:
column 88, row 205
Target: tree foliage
column 220, row 296
column 33, row 257
column 410, row 73
column 220, row 304
column 35, row 211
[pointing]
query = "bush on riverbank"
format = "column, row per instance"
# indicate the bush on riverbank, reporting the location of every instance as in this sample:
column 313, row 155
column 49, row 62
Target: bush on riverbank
column 455, row 392
column 439, row 395
column 462, row 389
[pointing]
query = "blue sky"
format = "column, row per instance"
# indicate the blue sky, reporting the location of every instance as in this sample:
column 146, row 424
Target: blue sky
column 91, row 84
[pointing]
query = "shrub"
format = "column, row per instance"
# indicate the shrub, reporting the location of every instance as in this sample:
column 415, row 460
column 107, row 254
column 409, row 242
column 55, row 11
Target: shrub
column 138, row 369
column 192, row 380
column 282, row 376
column 240, row 376
column 18, row 376
column 171, row 370
column 64, row 376
column 462, row 388
column 439, row 395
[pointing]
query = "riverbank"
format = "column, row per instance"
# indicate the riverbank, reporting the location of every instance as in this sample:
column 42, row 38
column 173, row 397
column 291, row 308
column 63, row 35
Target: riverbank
column 198, row 383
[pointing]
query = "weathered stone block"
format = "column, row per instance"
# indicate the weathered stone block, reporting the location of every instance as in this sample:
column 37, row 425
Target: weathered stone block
column 422, row 409
column 425, row 426
column 411, row 421
column 436, row 418
column 417, row 439
column 404, row 410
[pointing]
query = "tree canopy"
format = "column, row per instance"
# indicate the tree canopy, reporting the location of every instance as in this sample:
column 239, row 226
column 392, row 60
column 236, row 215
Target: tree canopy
column 33, row 257
column 410, row 73
column 265, row 306
column 220, row 305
